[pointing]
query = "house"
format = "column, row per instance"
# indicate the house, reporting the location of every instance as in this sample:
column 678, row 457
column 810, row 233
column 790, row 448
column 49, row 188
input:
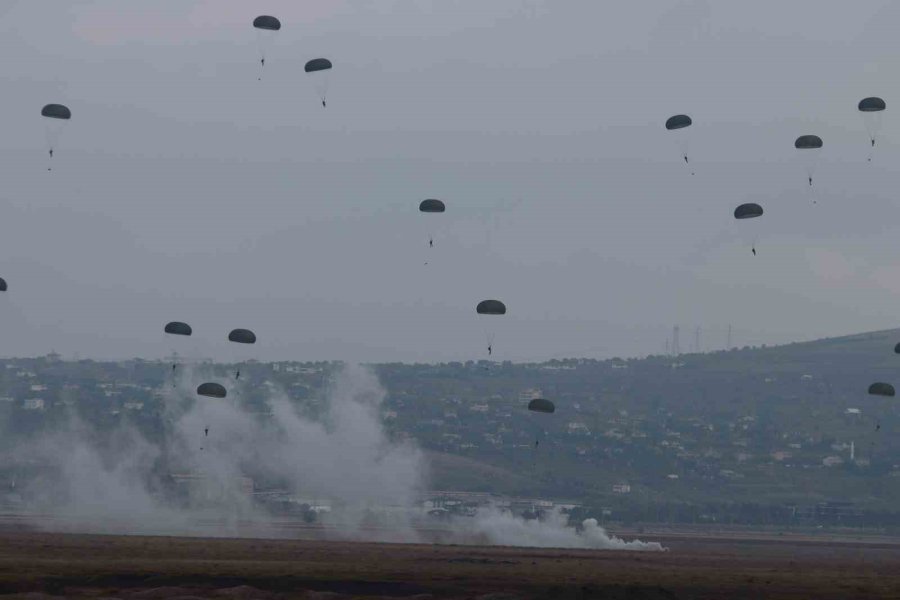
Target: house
column 577, row 428
column 33, row 404
column 621, row 488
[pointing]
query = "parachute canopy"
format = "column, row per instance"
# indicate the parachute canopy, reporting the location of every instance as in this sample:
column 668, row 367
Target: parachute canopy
column 872, row 104
column 808, row 142
column 56, row 111
column 432, row 206
column 266, row 22
column 317, row 64
column 678, row 122
column 491, row 307
column 2, row 285
column 882, row 389
column 748, row 211
column 242, row 336
column 541, row 405
column 178, row 328
column 896, row 348
column 212, row 390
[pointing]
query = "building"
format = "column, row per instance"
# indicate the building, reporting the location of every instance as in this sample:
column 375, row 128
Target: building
column 34, row 404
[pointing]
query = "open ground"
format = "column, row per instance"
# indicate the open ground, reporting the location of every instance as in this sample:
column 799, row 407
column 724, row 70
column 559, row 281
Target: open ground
column 44, row 565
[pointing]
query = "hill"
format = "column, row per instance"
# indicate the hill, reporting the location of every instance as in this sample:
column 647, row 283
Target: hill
column 753, row 434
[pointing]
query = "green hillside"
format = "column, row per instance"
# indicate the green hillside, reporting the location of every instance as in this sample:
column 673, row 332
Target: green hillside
column 769, row 425
column 744, row 435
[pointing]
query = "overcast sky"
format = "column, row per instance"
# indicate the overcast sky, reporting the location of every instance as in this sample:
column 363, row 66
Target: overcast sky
column 185, row 189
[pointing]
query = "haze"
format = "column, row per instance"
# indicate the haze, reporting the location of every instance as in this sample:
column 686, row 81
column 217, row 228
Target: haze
column 185, row 189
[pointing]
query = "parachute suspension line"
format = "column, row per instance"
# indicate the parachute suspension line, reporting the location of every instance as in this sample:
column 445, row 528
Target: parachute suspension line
column 489, row 337
column 534, row 453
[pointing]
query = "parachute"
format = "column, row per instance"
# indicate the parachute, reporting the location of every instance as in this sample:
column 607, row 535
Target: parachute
column 56, row 116
column 871, row 109
column 242, row 336
column 178, row 328
column 487, row 308
column 56, row 111
column 432, row 206
column 267, row 23
column 808, row 142
column 541, row 405
column 748, row 211
column 175, row 330
column 810, row 147
column 317, row 64
column 3, row 286
column 882, row 389
column 320, row 67
column 266, row 27
column 491, row 307
column 212, row 390
column 896, row 348
column 749, row 230
column 679, row 124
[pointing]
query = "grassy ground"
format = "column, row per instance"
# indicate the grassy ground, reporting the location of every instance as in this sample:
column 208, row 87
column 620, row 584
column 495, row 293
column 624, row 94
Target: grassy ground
column 44, row 565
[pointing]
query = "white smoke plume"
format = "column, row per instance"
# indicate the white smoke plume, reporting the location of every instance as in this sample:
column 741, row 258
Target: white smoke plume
column 551, row 531
column 342, row 458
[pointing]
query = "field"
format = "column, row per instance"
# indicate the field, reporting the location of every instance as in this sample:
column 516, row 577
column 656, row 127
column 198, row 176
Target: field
column 47, row 565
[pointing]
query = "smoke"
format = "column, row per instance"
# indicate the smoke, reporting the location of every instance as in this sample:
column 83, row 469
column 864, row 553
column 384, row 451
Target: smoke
column 196, row 475
column 551, row 531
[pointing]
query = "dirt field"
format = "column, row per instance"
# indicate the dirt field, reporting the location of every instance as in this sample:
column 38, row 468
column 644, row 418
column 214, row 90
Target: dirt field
column 44, row 565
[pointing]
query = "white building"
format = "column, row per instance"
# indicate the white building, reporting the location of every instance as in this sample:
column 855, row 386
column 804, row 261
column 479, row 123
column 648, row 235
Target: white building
column 33, row 404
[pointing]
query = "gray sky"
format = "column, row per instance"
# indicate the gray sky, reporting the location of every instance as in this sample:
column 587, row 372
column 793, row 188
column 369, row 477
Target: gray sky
column 183, row 188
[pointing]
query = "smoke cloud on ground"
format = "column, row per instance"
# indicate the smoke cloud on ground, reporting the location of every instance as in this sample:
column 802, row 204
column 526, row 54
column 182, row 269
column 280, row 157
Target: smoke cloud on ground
column 120, row 482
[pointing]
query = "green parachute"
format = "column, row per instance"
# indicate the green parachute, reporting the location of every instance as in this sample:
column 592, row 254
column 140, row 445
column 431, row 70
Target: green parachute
column 680, row 124
column 431, row 206
column 542, row 405
column 872, row 111
column 749, row 231
column 320, row 69
column 266, row 26
column 241, row 336
column 175, row 330
column 56, row 117
column 490, row 308
column 212, row 390
column 810, row 147
column 178, row 328
column 882, row 389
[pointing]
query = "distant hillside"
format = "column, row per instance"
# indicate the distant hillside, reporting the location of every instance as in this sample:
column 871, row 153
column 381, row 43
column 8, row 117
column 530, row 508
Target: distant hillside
column 755, row 434
column 769, row 425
